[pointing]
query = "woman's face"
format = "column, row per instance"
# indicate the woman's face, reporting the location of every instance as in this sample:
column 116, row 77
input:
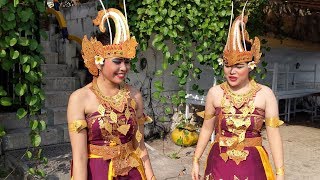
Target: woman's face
column 115, row 69
column 237, row 74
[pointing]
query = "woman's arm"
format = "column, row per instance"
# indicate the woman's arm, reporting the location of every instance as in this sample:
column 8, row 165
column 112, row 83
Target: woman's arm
column 144, row 152
column 207, row 126
column 78, row 135
column 273, row 132
column 205, row 133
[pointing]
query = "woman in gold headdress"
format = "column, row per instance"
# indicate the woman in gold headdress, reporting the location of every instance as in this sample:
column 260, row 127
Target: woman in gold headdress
column 105, row 117
column 236, row 110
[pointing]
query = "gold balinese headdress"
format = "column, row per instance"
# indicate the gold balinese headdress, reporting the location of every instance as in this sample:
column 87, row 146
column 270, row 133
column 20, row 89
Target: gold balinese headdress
column 122, row 45
column 235, row 50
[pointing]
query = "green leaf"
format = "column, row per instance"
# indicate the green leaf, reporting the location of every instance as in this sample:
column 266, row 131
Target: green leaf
column 156, row 39
column 33, row 44
column 197, row 70
column 31, row 171
column 3, row 53
column 15, row 3
column 10, row 16
column 20, row 89
column 34, row 89
column 167, row 110
column 161, row 3
column 42, row 125
column 159, row 72
column 41, row 173
column 195, row 87
column 23, row 41
column 14, row 54
column 25, row 15
column 2, row 131
column 182, row 93
column 163, row 100
column 156, row 95
column 6, row 101
column 41, row 95
column 200, row 57
column 40, row 6
column 33, row 63
column 201, row 91
column 3, row 2
column 29, row 154
column 26, row 68
column 33, row 124
column 21, row 113
column 24, row 58
column 165, row 30
column 7, row 65
column 43, row 34
column 35, row 140
column 264, row 64
column 31, row 76
column 44, row 160
column 39, row 153
column 33, row 100
column 2, row 91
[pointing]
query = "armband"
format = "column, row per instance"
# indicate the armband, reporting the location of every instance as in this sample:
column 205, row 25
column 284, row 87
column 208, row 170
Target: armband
column 273, row 122
column 205, row 116
column 77, row 125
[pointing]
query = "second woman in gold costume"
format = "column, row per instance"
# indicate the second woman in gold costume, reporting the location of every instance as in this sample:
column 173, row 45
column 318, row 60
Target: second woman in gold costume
column 237, row 110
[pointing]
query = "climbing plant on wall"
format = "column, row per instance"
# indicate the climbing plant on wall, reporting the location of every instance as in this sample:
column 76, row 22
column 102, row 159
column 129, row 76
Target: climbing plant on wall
column 20, row 59
column 197, row 29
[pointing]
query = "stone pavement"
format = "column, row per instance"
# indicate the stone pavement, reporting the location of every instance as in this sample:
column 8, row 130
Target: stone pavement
column 59, row 163
column 301, row 153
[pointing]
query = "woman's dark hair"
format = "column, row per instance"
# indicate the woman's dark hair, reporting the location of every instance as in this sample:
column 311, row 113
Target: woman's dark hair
column 103, row 38
column 248, row 45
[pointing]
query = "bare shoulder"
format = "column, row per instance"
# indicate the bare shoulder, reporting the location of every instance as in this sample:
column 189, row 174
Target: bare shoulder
column 81, row 93
column 214, row 96
column 266, row 91
column 215, row 91
column 135, row 93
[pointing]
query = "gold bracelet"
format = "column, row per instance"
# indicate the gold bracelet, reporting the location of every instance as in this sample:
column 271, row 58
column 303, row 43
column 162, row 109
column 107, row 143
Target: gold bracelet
column 280, row 170
column 153, row 177
column 195, row 159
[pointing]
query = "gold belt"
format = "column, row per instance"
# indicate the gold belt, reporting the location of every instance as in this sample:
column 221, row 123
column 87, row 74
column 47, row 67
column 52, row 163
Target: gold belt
column 231, row 141
column 110, row 152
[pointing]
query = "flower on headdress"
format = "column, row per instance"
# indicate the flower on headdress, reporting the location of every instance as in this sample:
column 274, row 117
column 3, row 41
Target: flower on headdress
column 252, row 65
column 98, row 60
column 220, row 61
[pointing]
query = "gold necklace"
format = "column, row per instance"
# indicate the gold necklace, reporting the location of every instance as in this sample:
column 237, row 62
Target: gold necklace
column 238, row 100
column 117, row 101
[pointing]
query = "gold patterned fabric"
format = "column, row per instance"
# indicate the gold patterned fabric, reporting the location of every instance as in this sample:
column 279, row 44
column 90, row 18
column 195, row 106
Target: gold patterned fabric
column 77, row 125
column 121, row 156
column 205, row 116
column 112, row 129
column 273, row 122
column 238, row 110
column 144, row 119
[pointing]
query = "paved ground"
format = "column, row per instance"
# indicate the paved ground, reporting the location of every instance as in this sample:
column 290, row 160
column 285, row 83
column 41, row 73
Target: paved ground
column 301, row 146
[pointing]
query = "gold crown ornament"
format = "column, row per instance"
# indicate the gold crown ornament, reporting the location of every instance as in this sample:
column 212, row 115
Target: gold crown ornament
column 235, row 50
column 123, row 46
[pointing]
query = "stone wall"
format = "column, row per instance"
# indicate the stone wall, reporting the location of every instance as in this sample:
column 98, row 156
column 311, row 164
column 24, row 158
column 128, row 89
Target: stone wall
column 79, row 19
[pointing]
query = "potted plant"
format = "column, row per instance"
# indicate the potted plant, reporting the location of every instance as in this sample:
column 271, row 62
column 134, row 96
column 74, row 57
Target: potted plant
column 184, row 132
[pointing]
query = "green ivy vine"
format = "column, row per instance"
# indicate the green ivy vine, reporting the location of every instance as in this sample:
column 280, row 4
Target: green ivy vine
column 20, row 56
column 197, row 29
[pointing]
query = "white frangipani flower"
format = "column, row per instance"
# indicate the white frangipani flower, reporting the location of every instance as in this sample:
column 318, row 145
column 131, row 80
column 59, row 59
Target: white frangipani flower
column 252, row 65
column 99, row 60
column 220, row 61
